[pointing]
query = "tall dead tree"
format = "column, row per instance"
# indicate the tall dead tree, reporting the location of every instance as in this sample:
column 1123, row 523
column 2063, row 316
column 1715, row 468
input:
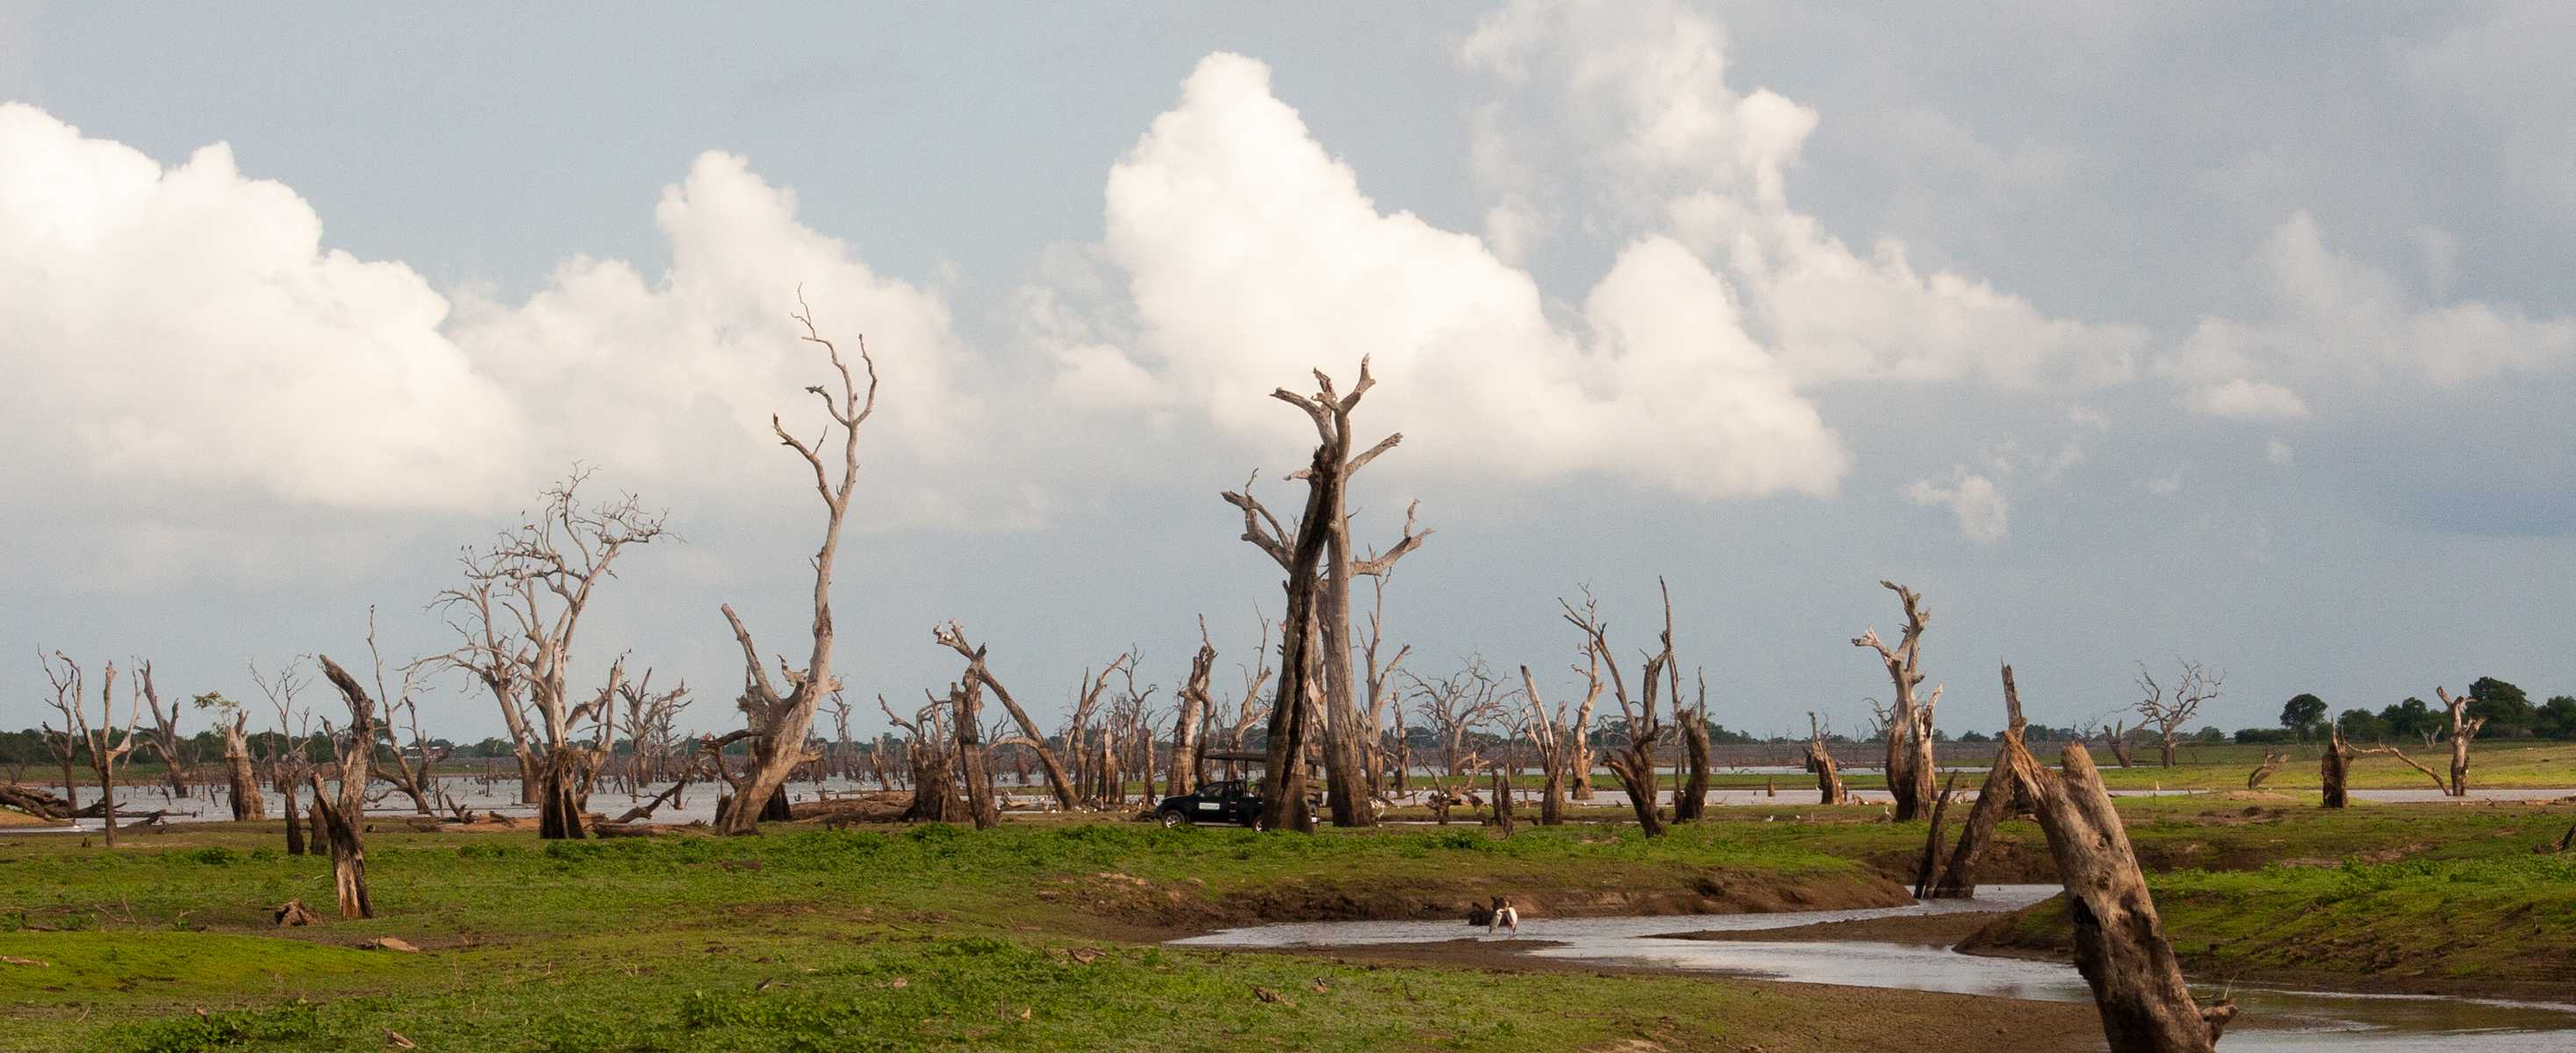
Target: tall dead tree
column 2120, row 945
column 1909, row 722
column 966, row 709
column 2334, row 767
column 340, row 822
column 953, row 637
column 779, row 721
column 2464, row 729
column 1579, row 758
column 1328, row 486
column 2171, row 715
column 1547, row 734
column 1994, row 799
column 1380, row 681
column 63, row 742
column 109, row 746
column 163, row 736
column 1829, row 783
column 1634, row 760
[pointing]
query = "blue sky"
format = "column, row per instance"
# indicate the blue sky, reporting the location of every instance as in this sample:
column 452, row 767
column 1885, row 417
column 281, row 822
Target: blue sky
column 2124, row 332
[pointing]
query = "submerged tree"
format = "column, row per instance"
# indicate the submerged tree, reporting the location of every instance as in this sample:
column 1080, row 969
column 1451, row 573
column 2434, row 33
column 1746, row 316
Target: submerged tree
column 777, row 722
column 1909, row 721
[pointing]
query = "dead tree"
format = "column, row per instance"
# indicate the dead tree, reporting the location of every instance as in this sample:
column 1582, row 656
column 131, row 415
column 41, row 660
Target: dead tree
column 1829, row 784
column 1909, row 724
column 1194, row 705
column 339, row 823
column 2411, row 762
column 163, row 736
column 934, row 790
column 1380, row 678
column 1930, row 872
column 1547, row 734
column 779, row 721
column 1327, row 514
column 649, row 715
column 2271, row 763
column 1958, row 880
column 1579, row 758
column 538, row 581
column 2172, row 716
column 2115, row 737
column 414, row 775
column 109, row 746
column 1633, row 761
column 286, row 764
column 2120, row 945
column 966, row 709
column 1453, row 707
column 63, row 742
column 2333, row 766
column 241, row 779
column 1690, row 799
column 2464, row 729
column 953, row 637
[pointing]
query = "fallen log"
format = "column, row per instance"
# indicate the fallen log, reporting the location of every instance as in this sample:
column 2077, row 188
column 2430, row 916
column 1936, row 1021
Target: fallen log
column 34, row 801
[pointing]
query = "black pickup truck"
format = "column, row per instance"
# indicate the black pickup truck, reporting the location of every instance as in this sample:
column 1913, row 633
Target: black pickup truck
column 1217, row 802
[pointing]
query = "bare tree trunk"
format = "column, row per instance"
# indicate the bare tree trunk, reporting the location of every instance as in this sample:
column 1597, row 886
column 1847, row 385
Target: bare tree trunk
column 1691, row 801
column 2464, row 728
column 1502, row 800
column 1909, row 722
column 2119, row 943
column 246, row 802
column 1929, row 873
column 2333, row 766
column 968, row 698
column 1994, row 799
column 338, row 822
column 294, row 822
column 2272, row 763
column 1193, row 710
column 953, row 636
column 1829, row 784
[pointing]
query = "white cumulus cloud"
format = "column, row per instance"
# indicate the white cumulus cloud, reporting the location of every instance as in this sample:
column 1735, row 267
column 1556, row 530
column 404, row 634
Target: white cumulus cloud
column 1983, row 513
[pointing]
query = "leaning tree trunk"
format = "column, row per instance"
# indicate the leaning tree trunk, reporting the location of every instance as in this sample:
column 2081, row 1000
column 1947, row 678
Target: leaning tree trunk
column 1690, row 802
column 338, row 831
column 2272, row 763
column 1829, row 783
column 338, row 821
column 1929, row 874
column 1994, row 799
column 1635, row 768
column 2120, row 945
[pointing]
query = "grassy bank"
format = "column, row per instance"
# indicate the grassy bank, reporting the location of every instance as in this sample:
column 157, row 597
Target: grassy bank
column 2496, row 925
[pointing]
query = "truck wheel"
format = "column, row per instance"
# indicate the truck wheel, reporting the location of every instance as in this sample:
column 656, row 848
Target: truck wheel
column 1172, row 817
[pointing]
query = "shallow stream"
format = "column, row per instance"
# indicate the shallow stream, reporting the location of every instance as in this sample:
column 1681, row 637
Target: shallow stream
column 2272, row 1019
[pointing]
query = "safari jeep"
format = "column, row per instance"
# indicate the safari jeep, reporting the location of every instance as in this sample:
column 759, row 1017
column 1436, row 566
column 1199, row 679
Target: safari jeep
column 1217, row 802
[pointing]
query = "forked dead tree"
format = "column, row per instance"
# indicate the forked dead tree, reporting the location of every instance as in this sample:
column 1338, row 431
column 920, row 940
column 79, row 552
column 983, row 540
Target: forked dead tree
column 2171, row 714
column 1327, row 515
column 1690, row 799
column 1958, row 880
column 339, row 820
column 1454, row 707
column 109, row 746
column 1381, row 692
column 2120, row 945
column 1829, row 782
column 780, row 721
column 1633, row 761
column 286, row 765
column 2464, row 729
column 1909, row 721
column 63, row 742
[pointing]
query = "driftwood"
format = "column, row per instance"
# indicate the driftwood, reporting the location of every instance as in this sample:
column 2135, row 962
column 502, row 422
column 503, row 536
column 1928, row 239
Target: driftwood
column 294, row 912
column 34, row 801
column 2120, row 945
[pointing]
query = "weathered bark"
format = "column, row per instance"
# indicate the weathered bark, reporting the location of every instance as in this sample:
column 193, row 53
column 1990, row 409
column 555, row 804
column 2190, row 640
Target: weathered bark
column 34, row 801
column 972, row 765
column 2464, row 728
column 109, row 746
column 165, row 735
column 1633, row 762
column 1994, row 801
column 243, row 782
column 2120, row 946
column 1829, row 784
column 782, row 720
column 1502, row 800
column 1909, row 724
column 294, row 821
column 338, row 822
column 1194, row 703
column 1547, row 739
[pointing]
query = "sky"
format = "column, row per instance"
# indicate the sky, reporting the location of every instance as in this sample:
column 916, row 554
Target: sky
column 2235, row 333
